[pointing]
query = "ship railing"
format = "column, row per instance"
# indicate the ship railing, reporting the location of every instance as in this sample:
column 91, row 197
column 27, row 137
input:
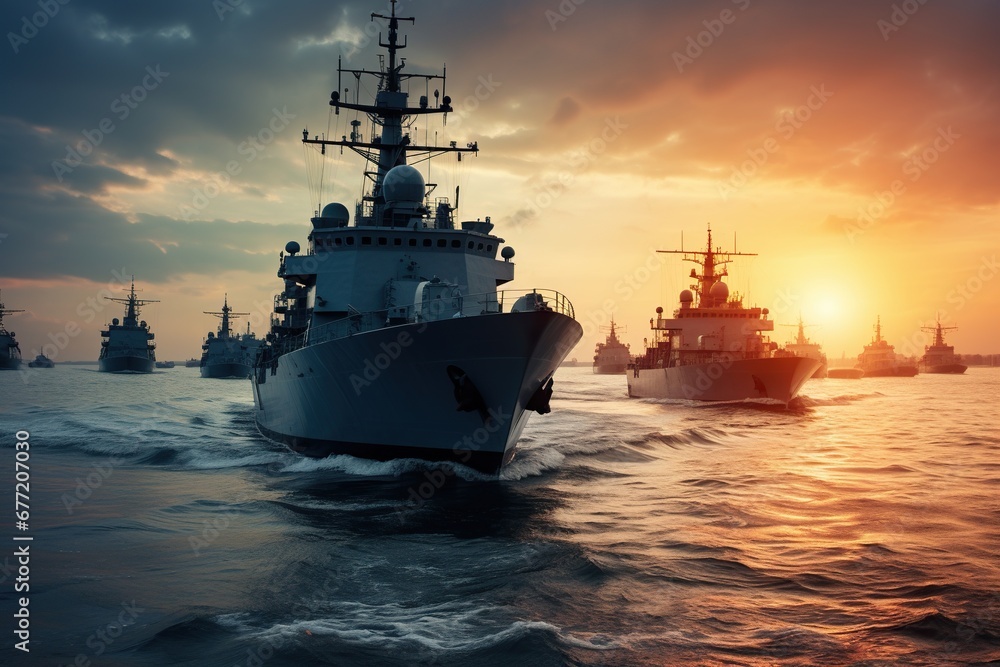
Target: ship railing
column 492, row 303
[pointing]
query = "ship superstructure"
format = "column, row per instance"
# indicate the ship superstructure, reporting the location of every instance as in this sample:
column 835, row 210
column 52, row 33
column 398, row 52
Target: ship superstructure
column 10, row 350
column 612, row 356
column 939, row 357
column 225, row 354
column 714, row 348
column 879, row 359
column 390, row 338
column 128, row 347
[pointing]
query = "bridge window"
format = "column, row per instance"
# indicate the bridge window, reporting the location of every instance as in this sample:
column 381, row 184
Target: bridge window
column 350, row 240
column 455, row 243
column 471, row 245
column 489, row 248
column 413, row 242
column 383, row 240
column 338, row 241
column 427, row 243
column 480, row 247
column 442, row 243
column 397, row 241
column 366, row 240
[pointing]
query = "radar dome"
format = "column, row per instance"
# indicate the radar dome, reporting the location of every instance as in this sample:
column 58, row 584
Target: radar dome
column 507, row 252
column 292, row 247
column 720, row 290
column 335, row 211
column 114, row 321
column 687, row 296
column 403, row 183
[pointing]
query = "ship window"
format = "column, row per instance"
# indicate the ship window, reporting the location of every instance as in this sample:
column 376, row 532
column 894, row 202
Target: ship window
column 366, row 240
column 413, row 242
column 338, row 241
column 427, row 243
column 455, row 243
column 442, row 243
column 383, row 240
column 471, row 245
column 489, row 248
column 397, row 241
column 350, row 240
column 480, row 247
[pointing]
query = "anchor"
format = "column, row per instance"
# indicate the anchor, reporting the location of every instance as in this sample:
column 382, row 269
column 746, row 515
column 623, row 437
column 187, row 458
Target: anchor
column 466, row 394
column 539, row 401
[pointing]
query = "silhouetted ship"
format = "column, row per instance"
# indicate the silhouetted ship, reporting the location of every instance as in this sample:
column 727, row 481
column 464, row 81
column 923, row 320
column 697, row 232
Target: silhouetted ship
column 612, row 356
column 390, row 338
column 10, row 351
column 803, row 347
column 192, row 363
column 128, row 347
column 41, row 361
column 714, row 350
column 940, row 358
column 225, row 354
column 164, row 364
column 879, row 359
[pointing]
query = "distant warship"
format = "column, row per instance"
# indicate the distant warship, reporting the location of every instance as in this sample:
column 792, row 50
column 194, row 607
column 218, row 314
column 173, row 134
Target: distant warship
column 225, row 354
column 128, row 347
column 612, row 356
column 10, row 351
column 713, row 349
column 940, row 358
column 879, row 359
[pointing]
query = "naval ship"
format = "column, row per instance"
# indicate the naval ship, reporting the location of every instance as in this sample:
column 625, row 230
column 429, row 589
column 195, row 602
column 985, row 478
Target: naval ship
column 803, row 347
column 390, row 338
column 225, row 354
column 128, row 347
column 10, row 351
column 713, row 348
column 879, row 359
column 940, row 358
column 612, row 356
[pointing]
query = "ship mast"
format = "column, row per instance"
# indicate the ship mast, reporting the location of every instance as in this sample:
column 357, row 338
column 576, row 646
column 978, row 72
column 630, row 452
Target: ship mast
column 709, row 260
column 226, row 314
column 7, row 311
column 391, row 113
column 132, row 305
column 938, row 332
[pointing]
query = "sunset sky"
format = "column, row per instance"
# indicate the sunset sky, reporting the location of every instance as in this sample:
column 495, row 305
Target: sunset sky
column 855, row 146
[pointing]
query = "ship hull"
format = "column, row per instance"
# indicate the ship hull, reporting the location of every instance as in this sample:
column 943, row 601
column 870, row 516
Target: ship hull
column 892, row 371
column 390, row 393
column 845, row 373
column 225, row 370
column 778, row 378
column 125, row 364
column 952, row 369
column 9, row 364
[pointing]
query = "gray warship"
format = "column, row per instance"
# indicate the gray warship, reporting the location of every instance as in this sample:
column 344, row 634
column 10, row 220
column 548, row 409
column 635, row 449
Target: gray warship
column 225, row 354
column 390, row 338
column 128, row 347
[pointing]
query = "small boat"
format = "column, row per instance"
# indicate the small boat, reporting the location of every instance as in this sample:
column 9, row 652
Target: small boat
column 41, row 361
column 845, row 373
column 164, row 364
column 192, row 363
